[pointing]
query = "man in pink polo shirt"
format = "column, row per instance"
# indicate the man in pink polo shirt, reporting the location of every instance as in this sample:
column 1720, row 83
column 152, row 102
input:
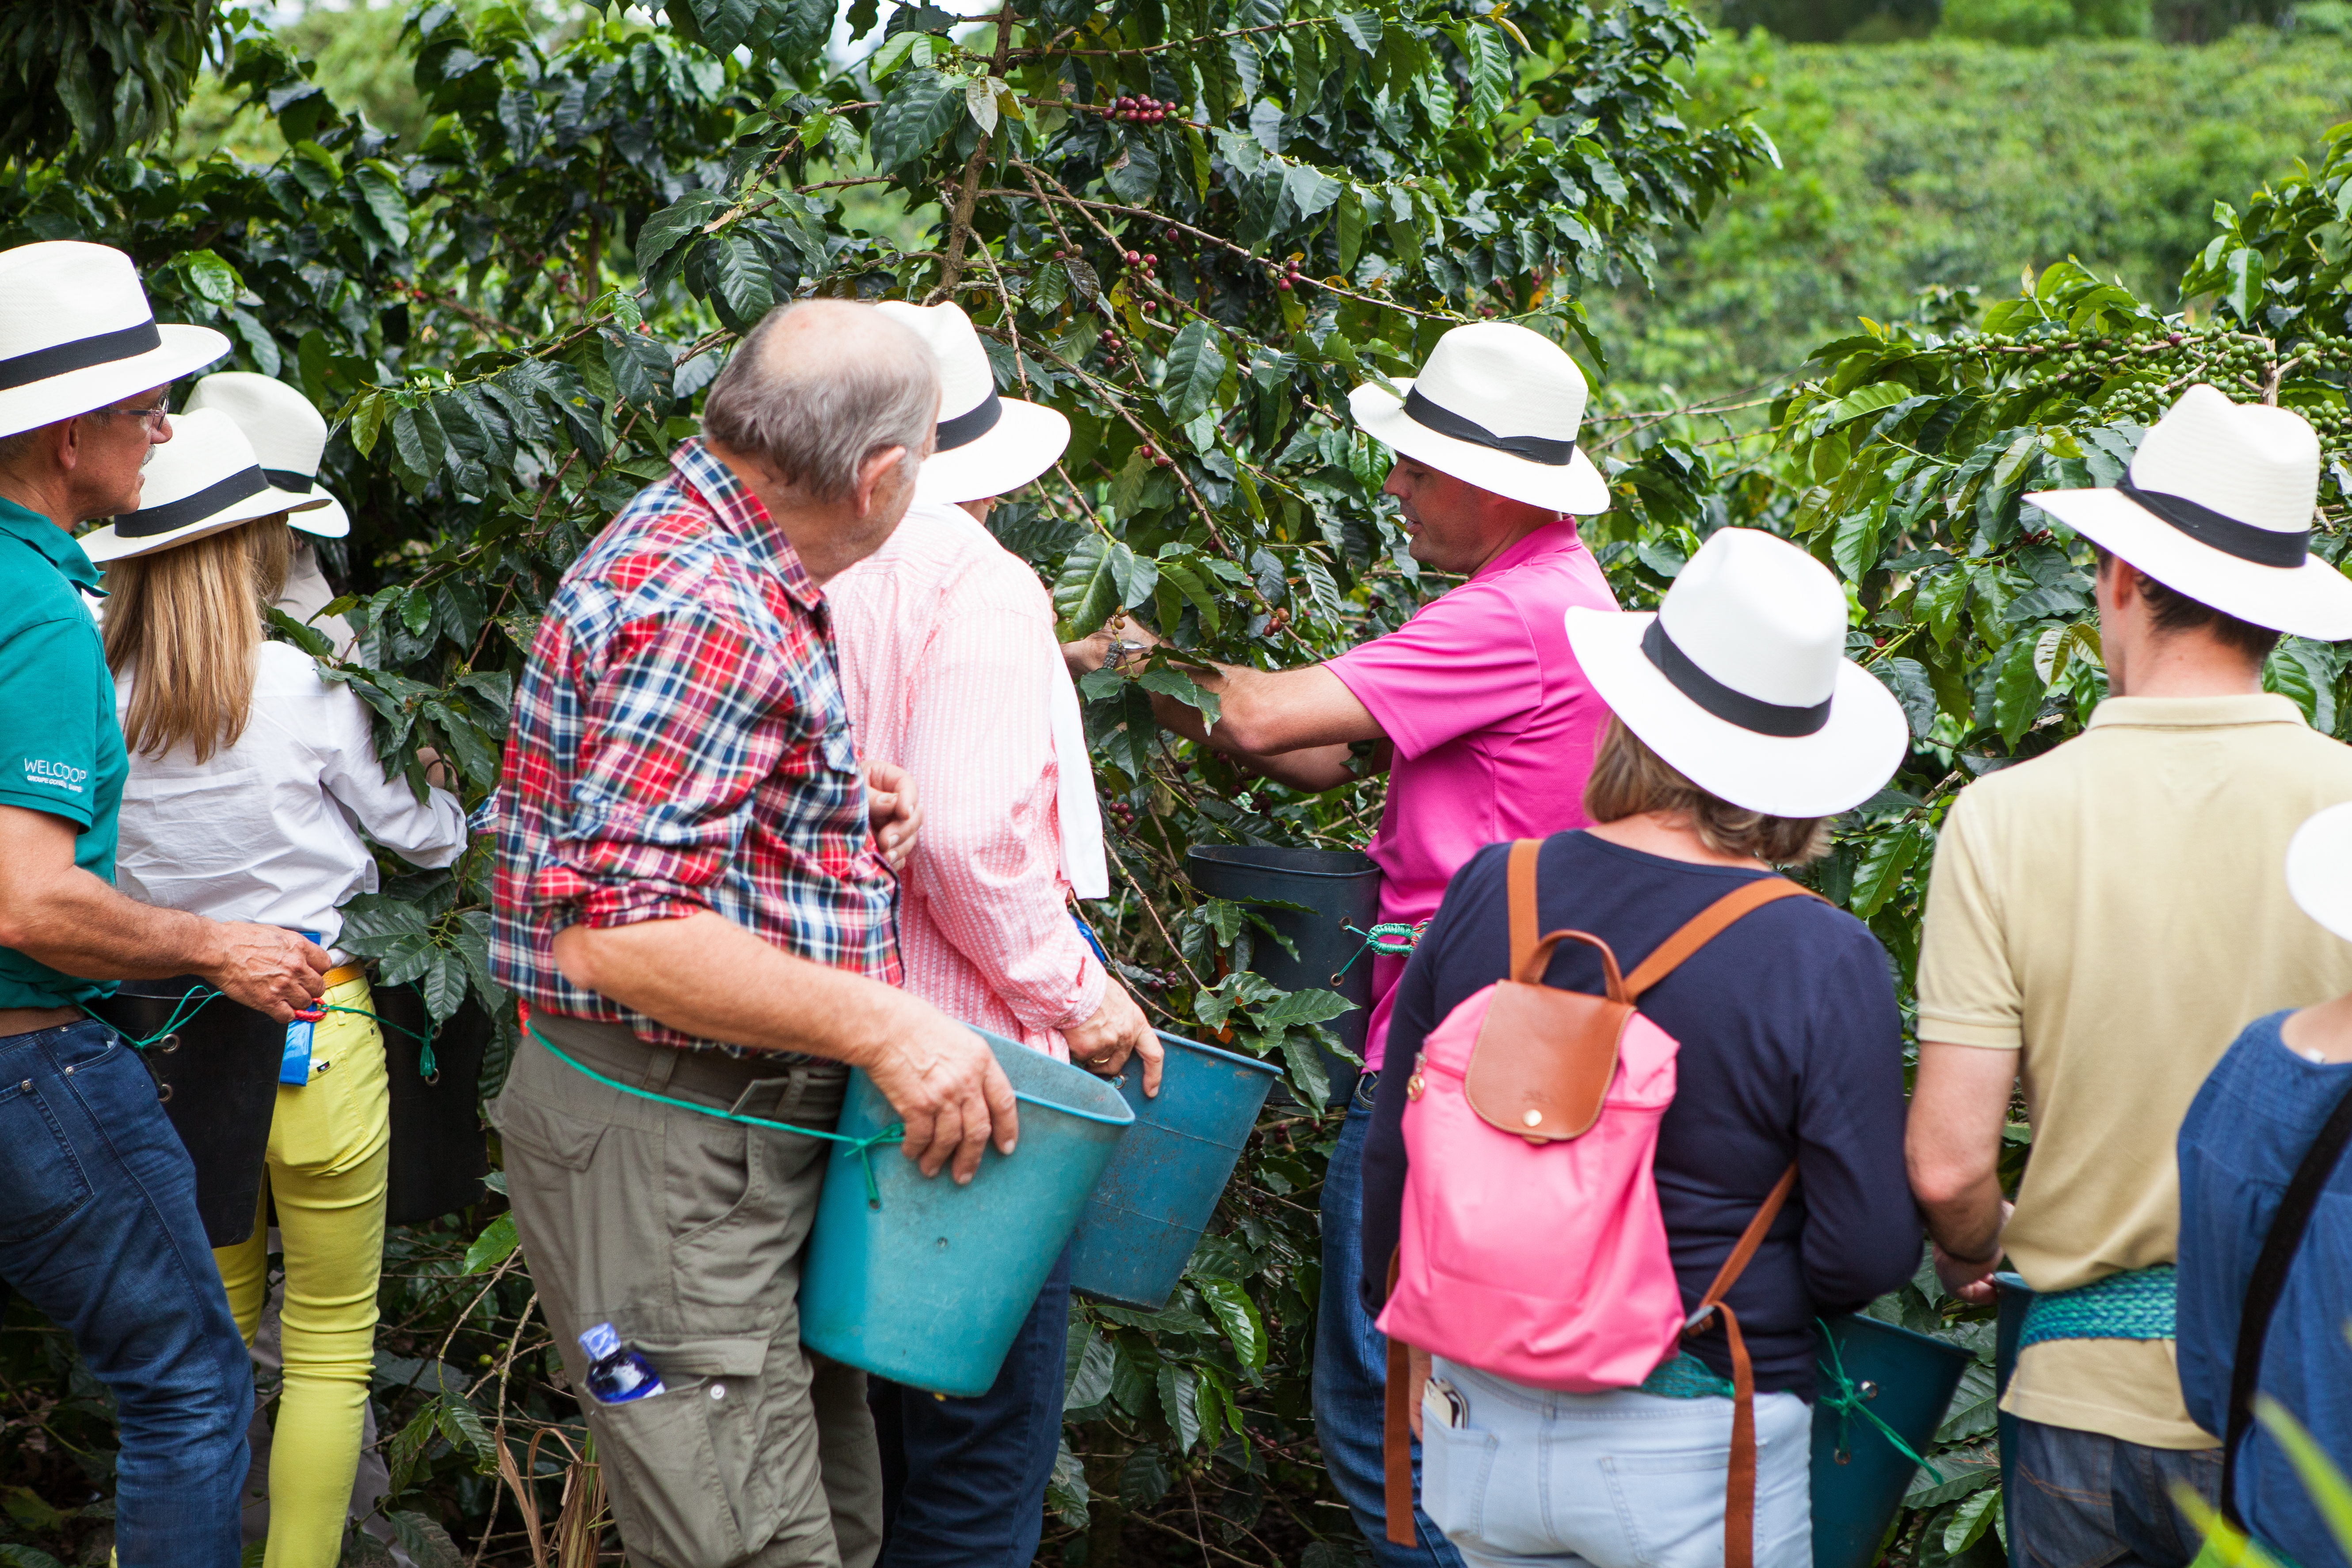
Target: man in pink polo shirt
column 1480, row 717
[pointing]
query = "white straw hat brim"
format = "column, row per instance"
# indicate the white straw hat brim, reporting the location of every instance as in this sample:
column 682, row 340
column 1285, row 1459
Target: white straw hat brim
column 183, row 351
column 2313, row 600
column 326, row 520
column 2319, row 868
column 1837, row 767
column 1575, row 486
column 1026, row 440
column 103, row 544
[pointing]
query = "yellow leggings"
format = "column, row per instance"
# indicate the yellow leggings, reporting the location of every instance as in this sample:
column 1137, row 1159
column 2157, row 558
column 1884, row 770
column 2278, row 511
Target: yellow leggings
column 330, row 1147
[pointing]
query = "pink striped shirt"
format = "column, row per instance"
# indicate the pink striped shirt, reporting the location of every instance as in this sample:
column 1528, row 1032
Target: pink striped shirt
column 947, row 649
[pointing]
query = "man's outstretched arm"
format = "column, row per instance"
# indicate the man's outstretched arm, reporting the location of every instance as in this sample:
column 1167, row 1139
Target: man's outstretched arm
column 1266, row 718
column 54, row 912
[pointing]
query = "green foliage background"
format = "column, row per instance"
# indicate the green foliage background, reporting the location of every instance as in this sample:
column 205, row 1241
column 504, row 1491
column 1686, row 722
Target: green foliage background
column 510, row 308
column 1958, row 165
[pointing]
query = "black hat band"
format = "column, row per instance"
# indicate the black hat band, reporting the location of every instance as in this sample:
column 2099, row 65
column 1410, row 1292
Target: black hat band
column 2262, row 546
column 293, row 479
column 1445, row 422
column 1732, row 707
column 149, row 522
column 965, row 428
column 105, row 348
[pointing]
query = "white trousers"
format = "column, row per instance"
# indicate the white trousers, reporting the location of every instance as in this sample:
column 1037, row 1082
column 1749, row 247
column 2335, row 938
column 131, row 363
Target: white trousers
column 1613, row 1480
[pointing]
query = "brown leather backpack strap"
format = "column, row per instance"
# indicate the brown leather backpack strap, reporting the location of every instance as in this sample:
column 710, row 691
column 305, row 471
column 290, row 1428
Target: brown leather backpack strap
column 1749, row 1240
column 1740, row 1484
column 1524, row 930
column 1710, row 923
column 1396, row 1433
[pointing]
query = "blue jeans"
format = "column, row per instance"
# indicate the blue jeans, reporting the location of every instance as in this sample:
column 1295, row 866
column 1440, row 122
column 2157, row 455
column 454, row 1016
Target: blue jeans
column 2084, row 1500
column 963, row 1480
column 100, row 1232
column 1351, row 1367
column 1609, row 1479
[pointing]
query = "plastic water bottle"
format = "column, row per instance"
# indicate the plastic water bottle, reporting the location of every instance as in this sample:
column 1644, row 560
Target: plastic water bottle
column 617, row 1372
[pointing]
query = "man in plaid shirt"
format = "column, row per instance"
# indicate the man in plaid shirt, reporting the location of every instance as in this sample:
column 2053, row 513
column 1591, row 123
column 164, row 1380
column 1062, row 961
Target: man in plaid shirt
column 691, row 901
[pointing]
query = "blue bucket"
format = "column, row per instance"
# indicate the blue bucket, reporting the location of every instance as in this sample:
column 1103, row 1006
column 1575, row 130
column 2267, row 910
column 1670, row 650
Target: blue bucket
column 1162, row 1184
column 930, row 1285
column 1905, row 1380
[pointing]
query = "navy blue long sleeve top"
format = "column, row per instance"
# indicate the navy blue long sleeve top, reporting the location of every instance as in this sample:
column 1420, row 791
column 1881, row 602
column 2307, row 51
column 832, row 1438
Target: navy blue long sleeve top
column 1791, row 1052
column 2245, row 1132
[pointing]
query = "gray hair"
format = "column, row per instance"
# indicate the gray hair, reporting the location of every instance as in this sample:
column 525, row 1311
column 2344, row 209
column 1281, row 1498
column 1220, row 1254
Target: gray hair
column 815, row 403
column 17, row 447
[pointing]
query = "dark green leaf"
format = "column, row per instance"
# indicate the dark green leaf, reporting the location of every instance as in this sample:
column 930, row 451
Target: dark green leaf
column 1196, row 366
column 1907, row 678
column 661, row 234
column 920, row 106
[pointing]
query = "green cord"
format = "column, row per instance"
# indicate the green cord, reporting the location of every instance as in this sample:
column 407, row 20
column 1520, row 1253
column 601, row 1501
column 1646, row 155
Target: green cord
column 864, row 1146
column 1848, row 1402
column 175, row 1020
column 1393, row 939
column 427, row 1067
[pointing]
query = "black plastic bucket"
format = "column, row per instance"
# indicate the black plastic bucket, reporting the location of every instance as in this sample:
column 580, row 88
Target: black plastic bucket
column 218, row 1077
column 1339, row 888
column 439, row 1151
column 2015, row 1297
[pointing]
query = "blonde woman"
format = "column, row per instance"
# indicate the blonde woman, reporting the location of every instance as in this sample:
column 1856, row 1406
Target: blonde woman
column 251, row 780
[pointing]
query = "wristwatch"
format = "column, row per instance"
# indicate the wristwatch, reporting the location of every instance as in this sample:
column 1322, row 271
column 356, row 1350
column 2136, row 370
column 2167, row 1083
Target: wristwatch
column 1116, row 655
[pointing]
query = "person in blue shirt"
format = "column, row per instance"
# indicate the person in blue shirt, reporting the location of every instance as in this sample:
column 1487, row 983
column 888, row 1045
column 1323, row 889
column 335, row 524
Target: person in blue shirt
column 2248, row 1131
column 99, row 1230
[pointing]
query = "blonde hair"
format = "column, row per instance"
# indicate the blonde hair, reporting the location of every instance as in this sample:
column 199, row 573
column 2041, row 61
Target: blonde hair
column 1629, row 779
column 184, row 623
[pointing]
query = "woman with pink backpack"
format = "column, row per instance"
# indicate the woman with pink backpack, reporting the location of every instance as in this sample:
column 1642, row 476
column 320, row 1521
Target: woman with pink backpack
column 1609, row 1202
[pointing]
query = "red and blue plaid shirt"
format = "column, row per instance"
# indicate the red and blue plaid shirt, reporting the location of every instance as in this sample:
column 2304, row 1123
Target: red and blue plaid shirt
column 680, row 742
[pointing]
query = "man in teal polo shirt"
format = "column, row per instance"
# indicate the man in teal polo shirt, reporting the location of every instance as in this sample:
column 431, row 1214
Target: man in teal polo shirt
column 99, row 1228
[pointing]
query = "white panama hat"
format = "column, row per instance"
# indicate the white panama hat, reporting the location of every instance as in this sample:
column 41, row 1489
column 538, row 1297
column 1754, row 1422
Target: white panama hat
column 203, row 480
column 988, row 445
column 1498, row 406
column 2319, row 867
column 2218, row 506
column 76, row 333
column 1740, row 681
column 288, row 437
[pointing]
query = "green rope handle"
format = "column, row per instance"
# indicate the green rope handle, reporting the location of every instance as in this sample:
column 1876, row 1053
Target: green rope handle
column 427, row 1067
column 864, row 1147
column 1390, row 939
column 1847, row 1400
column 176, row 1019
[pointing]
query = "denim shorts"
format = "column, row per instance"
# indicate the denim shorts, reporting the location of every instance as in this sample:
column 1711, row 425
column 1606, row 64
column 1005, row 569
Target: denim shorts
column 1617, row 1480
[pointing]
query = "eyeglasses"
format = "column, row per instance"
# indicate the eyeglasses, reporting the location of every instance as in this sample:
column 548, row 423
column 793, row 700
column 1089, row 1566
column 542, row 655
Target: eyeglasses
column 152, row 419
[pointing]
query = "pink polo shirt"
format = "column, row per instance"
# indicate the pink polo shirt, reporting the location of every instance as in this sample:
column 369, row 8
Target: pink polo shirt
column 1492, row 720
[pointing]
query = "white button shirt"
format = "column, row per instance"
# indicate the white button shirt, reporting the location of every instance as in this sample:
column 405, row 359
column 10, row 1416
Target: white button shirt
column 267, row 830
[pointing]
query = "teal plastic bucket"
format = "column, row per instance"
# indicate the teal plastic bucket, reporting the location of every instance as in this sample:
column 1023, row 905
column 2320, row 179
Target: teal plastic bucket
column 1905, row 1380
column 1162, row 1184
column 929, row 1284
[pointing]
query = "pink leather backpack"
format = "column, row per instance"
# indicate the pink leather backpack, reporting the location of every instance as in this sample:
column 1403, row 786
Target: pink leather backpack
column 1532, row 1245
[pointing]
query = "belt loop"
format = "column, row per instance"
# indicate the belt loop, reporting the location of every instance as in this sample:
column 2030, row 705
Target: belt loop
column 661, row 1061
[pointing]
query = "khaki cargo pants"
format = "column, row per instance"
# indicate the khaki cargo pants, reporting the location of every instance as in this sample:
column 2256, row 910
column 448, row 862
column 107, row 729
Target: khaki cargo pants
column 685, row 1232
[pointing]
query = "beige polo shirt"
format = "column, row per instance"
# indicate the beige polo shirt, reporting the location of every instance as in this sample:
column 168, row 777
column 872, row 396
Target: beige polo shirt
column 2115, row 911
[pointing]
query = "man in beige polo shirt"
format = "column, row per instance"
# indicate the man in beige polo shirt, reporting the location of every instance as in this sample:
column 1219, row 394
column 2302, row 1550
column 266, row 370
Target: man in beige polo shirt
column 2101, row 922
